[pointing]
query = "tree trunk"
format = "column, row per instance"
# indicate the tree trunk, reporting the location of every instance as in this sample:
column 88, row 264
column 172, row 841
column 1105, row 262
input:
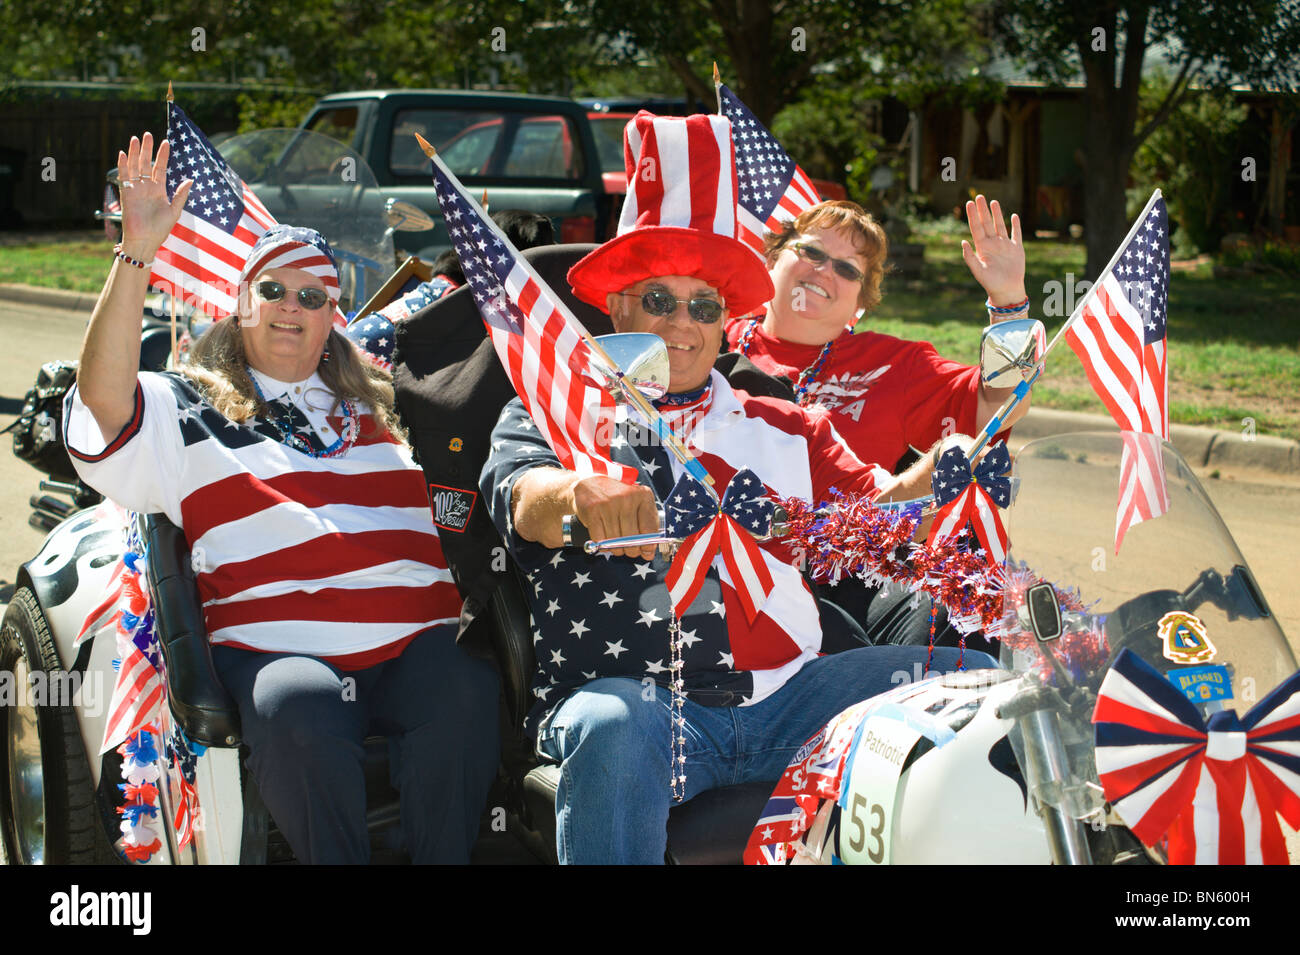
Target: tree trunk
column 1107, row 154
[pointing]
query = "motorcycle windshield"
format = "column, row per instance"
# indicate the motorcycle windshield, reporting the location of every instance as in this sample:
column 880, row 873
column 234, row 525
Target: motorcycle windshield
column 1178, row 592
column 1062, row 529
column 306, row 179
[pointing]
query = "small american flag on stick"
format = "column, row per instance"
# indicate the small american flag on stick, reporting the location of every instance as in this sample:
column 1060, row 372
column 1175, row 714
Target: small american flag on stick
column 1119, row 333
column 205, row 251
column 773, row 189
column 542, row 346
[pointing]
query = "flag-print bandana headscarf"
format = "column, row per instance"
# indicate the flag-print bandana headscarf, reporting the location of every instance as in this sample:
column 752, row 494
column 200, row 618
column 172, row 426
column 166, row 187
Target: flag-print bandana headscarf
column 294, row 247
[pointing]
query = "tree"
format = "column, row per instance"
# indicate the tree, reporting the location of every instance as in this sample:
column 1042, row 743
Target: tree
column 772, row 51
column 1208, row 44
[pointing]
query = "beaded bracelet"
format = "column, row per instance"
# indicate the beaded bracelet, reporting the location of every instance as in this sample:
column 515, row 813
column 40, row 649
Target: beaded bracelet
column 1006, row 309
column 117, row 251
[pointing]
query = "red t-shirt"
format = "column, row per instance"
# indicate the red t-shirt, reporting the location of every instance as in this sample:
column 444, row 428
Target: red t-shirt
column 882, row 393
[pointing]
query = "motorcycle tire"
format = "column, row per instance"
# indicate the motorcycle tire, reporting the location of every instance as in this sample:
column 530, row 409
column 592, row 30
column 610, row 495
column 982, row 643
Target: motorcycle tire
column 47, row 803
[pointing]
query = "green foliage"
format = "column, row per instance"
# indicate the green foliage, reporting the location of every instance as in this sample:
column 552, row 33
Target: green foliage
column 1267, row 256
column 1191, row 157
column 828, row 134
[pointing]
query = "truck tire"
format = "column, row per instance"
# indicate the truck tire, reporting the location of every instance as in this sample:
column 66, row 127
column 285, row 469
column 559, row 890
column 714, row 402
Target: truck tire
column 47, row 803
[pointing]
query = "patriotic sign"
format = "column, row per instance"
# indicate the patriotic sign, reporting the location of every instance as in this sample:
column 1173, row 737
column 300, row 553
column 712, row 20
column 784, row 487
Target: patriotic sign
column 540, row 343
column 1215, row 790
column 1119, row 334
column 709, row 527
column 205, row 251
column 773, row 189
column 973, row 497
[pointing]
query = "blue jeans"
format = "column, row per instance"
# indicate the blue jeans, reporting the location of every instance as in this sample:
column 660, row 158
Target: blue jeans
column 611, row 740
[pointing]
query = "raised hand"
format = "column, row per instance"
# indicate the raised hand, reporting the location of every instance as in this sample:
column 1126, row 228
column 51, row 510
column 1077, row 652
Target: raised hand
column 147, row 215
column 997, row 259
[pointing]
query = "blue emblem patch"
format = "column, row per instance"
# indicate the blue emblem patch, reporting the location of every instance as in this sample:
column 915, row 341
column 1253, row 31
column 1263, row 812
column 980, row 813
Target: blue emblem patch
column 1203, row 684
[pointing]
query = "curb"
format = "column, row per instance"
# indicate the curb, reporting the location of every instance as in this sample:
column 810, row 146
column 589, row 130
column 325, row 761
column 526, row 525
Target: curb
column 1202, row 447
column 53, row 297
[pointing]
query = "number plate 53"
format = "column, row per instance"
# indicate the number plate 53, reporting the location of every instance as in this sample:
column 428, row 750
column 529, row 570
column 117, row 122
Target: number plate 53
column 867, row 803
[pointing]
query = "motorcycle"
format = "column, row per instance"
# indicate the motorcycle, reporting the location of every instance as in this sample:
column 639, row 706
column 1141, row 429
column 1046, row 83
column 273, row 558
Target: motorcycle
column 1001, row 765
column 60, row 795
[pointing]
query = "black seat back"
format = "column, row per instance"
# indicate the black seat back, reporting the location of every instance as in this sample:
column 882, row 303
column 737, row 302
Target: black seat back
column 450, row 389
column 202, row 706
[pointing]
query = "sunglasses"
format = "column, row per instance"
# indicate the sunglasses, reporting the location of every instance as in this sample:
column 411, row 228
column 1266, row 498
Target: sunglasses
column 817, row 257
column 663, row 304
column 309, row 298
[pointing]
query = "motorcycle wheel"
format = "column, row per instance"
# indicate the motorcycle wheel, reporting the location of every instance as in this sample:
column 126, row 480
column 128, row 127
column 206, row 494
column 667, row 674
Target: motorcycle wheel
column 47, row 804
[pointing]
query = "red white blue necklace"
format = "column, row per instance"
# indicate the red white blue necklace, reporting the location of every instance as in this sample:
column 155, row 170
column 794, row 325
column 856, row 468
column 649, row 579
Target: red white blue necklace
column 291, row 439
column 807, row 378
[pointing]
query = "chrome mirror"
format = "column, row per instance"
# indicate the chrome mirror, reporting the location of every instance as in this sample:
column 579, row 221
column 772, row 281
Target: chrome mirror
column 643, row 359
column 1010, row 351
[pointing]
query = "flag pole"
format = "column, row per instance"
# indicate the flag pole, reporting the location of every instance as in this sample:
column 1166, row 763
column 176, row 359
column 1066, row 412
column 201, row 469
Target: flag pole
column 175, row 359
column 628, row 390
column 1022, row 390
column 717, row 86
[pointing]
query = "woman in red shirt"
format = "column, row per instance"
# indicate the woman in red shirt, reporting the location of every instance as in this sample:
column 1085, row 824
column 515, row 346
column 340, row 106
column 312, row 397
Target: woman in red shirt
column 884, row 395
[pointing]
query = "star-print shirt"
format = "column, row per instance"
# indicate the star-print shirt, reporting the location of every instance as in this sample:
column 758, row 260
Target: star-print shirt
column 882, row 393
column 607, row 616
column 333, row 557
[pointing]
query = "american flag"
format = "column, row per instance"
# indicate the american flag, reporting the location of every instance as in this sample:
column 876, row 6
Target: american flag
column 773, row 189
column 540, row 344
column 1120, row 338
column 815, row 775
column 205, row 251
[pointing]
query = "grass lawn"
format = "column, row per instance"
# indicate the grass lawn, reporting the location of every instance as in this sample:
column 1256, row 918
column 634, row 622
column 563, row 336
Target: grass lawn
column 1234, row 344
column 80, row 265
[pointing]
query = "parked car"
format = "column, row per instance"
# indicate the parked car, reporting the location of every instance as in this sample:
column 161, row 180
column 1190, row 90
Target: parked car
column 537, row 153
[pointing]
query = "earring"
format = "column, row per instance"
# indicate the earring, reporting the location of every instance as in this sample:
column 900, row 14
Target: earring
column 325, row 355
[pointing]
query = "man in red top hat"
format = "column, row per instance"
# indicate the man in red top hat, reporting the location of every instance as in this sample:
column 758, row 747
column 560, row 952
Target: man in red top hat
column 757, row 686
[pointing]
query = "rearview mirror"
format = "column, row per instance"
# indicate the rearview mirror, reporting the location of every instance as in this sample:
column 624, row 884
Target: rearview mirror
column 643, row 359
column 1010, row 351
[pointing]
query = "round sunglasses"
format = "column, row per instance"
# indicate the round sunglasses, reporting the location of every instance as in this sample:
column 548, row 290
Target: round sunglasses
column 309, row 298
column 817, row 257
column 662, row 304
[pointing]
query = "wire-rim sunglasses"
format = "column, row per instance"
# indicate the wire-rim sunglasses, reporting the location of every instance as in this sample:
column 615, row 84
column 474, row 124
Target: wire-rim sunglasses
column 309, row 298
column 817, row 257
column 662, row 304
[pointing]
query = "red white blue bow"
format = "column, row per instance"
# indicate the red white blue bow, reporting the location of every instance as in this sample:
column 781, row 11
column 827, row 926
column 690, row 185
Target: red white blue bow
column 973, row 496
column 1215, row 790
column 707, row 526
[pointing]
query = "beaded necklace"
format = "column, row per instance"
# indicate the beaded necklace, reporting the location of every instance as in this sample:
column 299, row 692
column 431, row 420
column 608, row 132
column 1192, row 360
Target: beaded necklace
column 290, row 439
column 807, row 377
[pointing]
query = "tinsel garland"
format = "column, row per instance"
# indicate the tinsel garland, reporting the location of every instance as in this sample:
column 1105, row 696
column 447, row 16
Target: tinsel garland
column 1081, row 649
column 850, row 536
